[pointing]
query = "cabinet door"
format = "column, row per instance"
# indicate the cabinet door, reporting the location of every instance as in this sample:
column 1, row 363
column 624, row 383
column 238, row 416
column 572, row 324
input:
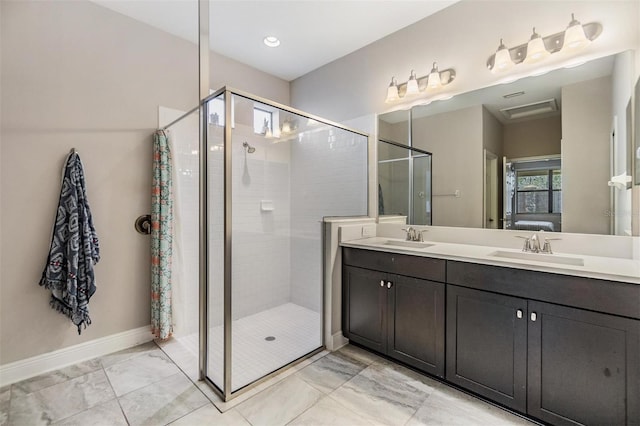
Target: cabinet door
column 364, row 306
column 416, row 323
column 487, row 344
column 583, row 367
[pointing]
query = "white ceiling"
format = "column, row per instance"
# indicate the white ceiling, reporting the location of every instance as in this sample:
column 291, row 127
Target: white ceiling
column 312, row 32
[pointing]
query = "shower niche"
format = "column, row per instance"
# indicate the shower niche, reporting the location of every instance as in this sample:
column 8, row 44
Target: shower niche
column 268, row 177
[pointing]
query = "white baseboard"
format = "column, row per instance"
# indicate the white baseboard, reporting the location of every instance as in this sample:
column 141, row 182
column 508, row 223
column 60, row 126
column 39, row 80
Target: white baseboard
column 34, row 366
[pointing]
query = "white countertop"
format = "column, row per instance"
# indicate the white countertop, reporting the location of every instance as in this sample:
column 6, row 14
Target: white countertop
column 608, row 268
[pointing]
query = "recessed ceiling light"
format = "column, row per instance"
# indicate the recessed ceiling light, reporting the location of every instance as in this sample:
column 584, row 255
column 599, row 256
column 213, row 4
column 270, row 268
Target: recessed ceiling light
column 271, row 41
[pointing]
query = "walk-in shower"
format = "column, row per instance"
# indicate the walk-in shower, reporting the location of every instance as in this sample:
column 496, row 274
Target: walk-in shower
column 260, row 232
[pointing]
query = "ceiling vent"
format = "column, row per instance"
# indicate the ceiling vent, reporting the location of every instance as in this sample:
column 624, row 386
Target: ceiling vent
column 521, row 111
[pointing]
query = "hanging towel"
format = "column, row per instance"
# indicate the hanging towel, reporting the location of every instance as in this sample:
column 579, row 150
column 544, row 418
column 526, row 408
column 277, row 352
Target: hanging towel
column 74, row 249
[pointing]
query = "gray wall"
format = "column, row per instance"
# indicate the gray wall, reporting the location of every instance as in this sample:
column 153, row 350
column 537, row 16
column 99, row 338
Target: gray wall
column 461, row 36
column 586, row 127
column 533, row 138
column 77, row 75
column 394, row 132
column 492, row 133
column 455, row 140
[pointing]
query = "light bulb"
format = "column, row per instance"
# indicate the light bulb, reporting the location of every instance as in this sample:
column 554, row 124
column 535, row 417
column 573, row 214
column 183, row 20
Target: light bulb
column 536, row 50
column 502, row 60
column 434, row 77
column 574, row 37
column 412, row 85
column 392, row 91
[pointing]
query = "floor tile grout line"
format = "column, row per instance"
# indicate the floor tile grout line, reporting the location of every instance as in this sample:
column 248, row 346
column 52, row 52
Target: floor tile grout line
column 192, row 382
column 349, row 409
column 66, row 381
column 365, row 415
column 49, row 373
column 133, row 354
column 308, row 408
column 124, row 415
column 157, row 380
column 9, row 405
column 164, row 378
column 239, row 413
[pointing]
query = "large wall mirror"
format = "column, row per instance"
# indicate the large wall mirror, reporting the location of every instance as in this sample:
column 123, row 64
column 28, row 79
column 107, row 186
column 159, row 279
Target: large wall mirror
column 547, row 152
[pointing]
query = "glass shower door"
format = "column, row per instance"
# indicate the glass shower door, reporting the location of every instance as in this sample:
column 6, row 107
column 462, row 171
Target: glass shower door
column 271, row 183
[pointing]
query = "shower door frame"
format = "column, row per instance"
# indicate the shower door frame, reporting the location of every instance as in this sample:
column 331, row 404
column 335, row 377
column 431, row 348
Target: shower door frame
column 226, row 393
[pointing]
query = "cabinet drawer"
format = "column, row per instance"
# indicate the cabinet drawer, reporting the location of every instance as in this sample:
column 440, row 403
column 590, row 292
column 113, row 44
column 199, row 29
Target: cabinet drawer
column 412, row 266
column 598, row 295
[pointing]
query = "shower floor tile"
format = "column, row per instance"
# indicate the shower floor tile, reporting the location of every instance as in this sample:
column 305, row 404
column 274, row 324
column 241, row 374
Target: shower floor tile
column 297, row 331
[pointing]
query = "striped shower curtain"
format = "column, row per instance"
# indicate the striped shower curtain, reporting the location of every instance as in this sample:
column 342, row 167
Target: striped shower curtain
column 161, row 237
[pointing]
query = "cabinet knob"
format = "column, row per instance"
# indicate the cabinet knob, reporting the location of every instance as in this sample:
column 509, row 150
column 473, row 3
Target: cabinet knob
column 389, row 284
column 381, row 283
column 519, row 313
column 534, row 316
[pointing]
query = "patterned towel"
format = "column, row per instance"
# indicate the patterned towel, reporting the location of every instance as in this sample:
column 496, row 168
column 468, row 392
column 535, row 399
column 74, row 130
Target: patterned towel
column 74, row 249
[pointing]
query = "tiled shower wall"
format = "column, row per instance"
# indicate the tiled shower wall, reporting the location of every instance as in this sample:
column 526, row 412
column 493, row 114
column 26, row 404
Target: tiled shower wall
column 261, row 242
column 281, row 192
column 328, row 178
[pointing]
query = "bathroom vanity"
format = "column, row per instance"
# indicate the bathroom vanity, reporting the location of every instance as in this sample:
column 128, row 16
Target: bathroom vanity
column 558, row 346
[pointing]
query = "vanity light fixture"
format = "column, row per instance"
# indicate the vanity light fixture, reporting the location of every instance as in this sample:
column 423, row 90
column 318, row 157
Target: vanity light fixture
column 538, row 48
column 415, row 85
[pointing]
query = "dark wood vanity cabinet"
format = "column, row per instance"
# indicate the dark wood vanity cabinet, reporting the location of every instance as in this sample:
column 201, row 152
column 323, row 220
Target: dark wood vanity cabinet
column 397, row 315
column 487, row 345
column 559, row 348
column 583, row 367
column 365, row 304
column 560, row 364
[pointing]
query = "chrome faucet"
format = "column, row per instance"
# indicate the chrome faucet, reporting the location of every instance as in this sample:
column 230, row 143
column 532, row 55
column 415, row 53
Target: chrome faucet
column 532, row 244
column 413, row 234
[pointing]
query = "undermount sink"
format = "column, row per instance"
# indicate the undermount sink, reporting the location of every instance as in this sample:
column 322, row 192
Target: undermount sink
column 409, row 244
column 540, row 257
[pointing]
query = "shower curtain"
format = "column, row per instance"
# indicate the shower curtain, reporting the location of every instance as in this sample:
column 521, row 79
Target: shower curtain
column 161, row 237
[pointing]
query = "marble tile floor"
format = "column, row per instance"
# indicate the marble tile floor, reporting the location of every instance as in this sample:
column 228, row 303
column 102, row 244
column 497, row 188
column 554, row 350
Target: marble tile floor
column 142, row 386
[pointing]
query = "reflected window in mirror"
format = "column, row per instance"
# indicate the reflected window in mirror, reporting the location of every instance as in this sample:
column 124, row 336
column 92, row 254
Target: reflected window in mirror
column 536, row 197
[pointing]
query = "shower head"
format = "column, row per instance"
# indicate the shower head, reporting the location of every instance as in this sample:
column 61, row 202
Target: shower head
column 250, row 149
